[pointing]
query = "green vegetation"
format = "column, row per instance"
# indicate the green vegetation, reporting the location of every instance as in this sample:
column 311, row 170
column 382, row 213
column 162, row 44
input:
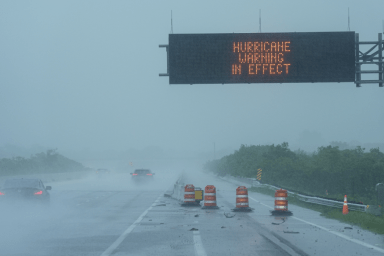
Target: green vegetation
column 365, row 221
column 45, row 162
column 329, row 172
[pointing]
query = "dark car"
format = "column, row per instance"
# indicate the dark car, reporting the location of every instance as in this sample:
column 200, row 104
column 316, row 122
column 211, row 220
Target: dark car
column 17, row 190
column 102, row 173
column 142, row 174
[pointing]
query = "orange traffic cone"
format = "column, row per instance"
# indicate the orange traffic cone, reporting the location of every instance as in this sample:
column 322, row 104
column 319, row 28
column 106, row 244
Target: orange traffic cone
column 345, row 206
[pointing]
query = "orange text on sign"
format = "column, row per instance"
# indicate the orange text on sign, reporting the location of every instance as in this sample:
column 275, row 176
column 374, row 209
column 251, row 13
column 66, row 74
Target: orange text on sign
column 261, row 58
column 261, row 46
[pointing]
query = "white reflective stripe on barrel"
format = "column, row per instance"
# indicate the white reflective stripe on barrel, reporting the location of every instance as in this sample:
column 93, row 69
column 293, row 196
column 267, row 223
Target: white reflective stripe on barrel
column 209, row 202
column 242, row 196
column 189, row 193
column 209, row 194
column 242, row 203
column 280, row 207
column 280, row 198
column 188, row 199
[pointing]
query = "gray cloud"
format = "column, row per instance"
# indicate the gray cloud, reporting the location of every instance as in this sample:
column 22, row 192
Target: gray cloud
column 84, row 75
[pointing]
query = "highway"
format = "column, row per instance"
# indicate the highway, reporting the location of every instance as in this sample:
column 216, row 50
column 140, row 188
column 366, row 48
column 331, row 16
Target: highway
column 114, row 216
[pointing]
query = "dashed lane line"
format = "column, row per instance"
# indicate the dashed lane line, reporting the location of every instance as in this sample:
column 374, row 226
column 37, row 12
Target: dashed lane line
column 121, row 238
column 199, row 248
column 330, row 231
column 198, row 244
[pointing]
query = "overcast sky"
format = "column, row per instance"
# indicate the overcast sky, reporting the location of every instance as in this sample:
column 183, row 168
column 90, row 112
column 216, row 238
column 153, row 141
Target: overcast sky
column 78, row 75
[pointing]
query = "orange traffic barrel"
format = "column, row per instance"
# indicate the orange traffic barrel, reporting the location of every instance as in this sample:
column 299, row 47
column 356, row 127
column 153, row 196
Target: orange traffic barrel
column 281, row 203
column 210, row 197
column 242, row 203
column 189, row 196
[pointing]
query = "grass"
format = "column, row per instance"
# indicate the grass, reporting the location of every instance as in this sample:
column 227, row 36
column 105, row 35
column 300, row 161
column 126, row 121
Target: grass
column 363, row 220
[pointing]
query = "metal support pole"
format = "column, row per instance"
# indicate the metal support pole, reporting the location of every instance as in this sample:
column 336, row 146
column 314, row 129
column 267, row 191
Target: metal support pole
column 357, row 64
column 381, row 60
column 168, row 57
column 166, row 48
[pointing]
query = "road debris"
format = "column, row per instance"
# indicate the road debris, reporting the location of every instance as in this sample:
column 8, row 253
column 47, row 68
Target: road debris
column 292, row 232
column 229, row 215
column 274, row 223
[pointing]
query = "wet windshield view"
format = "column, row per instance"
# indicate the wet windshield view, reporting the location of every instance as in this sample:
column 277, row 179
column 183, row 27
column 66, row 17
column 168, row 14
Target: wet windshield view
column 196, row 128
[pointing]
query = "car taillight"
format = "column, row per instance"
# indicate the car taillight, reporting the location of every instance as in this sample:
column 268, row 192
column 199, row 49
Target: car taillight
column 39, row 192
column 134, row 173
column 1, row 194
column 149, row 174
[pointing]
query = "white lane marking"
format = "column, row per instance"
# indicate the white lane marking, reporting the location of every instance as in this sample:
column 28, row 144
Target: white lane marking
column 343, row 236
column 332, row 232
column 260, row 202
column 199, row 248
column 121, row 238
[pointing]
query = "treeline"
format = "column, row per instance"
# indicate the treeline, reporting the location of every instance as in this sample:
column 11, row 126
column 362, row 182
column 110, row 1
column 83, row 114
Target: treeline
column 44, row 162
column 328, row 172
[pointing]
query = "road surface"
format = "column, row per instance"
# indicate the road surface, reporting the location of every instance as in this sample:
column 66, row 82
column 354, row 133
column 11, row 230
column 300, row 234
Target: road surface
column 114, row 216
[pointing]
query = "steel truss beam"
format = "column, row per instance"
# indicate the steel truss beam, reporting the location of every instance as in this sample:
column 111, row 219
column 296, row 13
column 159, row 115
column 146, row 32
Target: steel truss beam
column 365, row 58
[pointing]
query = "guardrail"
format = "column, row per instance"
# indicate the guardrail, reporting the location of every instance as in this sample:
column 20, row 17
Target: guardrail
column 308, row 199
column 331, row 203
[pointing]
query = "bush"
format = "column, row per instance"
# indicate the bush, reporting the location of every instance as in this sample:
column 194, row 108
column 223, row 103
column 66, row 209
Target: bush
column 329, row 172
column 45, row 162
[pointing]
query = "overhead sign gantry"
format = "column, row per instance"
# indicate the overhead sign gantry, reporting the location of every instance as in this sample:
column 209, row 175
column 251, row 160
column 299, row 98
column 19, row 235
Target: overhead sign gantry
column 305, row 57
column 261, row 58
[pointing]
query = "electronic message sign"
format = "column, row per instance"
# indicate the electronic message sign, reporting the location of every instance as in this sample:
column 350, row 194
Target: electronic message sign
column 261, row 58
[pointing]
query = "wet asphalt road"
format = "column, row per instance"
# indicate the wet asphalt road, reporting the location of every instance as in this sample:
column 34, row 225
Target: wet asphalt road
column 115, row 216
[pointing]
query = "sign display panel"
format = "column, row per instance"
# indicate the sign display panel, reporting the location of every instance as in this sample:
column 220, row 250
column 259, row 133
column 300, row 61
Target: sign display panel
column 262, row 58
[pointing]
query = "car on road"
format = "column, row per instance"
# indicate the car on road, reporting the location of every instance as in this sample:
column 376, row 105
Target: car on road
column 22, row 190
column 142, row 174
column 102, row 173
